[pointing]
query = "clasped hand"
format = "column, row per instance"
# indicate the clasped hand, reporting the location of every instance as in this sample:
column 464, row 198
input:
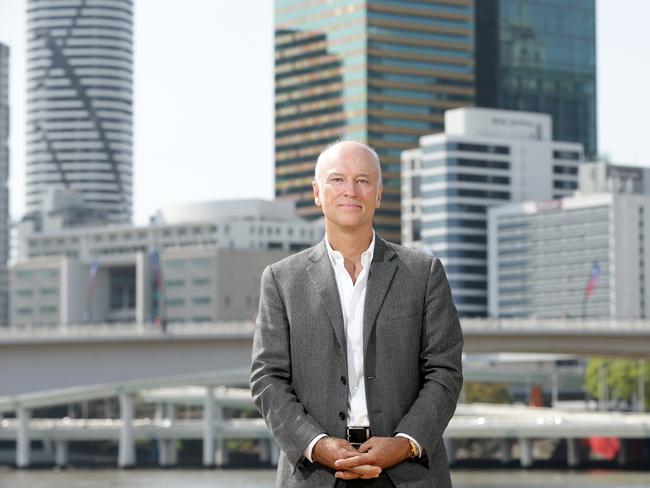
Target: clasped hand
column 374, row 455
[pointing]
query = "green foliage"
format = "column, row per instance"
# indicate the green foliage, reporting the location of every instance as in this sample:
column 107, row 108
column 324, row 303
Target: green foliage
column 486, row 393
column 622, row 379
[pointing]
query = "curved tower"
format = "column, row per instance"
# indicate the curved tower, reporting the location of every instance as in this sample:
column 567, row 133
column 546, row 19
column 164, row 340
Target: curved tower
column 79, row 103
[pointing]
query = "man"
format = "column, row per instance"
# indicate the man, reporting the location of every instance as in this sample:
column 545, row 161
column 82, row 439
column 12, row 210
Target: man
column 357, row 350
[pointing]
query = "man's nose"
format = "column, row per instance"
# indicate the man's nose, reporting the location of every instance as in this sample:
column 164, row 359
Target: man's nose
column 350, row 187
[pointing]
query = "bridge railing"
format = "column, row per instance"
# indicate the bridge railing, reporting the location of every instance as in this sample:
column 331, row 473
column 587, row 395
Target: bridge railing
column 238, row 327
column 130, row 329
column 538, row 325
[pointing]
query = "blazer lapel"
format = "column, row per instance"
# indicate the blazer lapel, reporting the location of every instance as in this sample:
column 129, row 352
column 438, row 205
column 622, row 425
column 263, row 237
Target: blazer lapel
column 382, row 270
column 321, row 274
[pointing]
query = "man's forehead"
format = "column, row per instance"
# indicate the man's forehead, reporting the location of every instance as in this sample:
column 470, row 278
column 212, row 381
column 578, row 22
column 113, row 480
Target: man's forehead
column 344, row 160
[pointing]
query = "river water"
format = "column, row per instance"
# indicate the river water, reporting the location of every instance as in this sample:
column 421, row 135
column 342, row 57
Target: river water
column 193, row 478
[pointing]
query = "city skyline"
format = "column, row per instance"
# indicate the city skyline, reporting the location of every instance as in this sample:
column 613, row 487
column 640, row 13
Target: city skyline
column 162, row 138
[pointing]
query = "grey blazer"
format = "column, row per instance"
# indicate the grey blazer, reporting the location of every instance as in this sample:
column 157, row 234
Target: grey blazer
column 412, row 360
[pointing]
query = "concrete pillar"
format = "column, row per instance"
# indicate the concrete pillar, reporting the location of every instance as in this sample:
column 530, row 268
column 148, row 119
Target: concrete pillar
column 623, row 454
column 275, row 452
column 61, row 453
column 142, row 288
column 555, row 388
column 126, row 452
column 167, row 448
column 23, row 441
column 167, row 451
column 526, row 452
column 221, row 455
column 48, row 448
column 451, row 450
column 641, row 386
column 208, row 427
column 506, row 451
column 572, row 453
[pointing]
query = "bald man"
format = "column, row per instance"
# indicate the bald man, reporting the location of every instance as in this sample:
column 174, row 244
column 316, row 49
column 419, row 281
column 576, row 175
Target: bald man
column 357, row 350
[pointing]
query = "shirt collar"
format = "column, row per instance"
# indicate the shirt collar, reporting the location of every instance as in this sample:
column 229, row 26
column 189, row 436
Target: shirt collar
column 366, row 257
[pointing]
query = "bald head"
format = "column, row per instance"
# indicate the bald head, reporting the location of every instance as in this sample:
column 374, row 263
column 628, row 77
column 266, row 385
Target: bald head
column 339, row 149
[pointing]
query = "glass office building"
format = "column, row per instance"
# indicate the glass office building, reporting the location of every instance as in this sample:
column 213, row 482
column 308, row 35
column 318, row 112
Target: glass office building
column 80, row 104
column 540, row 56
column 379, row 71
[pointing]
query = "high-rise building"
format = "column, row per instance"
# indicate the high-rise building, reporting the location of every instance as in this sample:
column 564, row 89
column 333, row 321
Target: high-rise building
column 79, row 103
column 580, row 256
column 4, row 182
column 484, row 158
column 540, row 56
column 378, row 71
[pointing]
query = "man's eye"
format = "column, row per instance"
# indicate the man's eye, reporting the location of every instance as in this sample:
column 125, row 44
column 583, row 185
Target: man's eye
column 362, row 182
column 337, row 179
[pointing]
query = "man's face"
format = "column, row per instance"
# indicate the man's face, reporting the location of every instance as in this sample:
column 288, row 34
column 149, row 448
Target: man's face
column 348, row 188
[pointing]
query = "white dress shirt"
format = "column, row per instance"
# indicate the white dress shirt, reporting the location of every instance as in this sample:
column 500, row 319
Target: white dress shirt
column 353, row 298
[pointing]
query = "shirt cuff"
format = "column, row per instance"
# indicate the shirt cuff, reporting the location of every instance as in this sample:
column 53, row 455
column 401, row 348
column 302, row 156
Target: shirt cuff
column 417, row 444
column 310, row 446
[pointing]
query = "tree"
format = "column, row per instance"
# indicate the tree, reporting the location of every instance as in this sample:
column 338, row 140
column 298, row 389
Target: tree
column 486, row 393
column 622, row 379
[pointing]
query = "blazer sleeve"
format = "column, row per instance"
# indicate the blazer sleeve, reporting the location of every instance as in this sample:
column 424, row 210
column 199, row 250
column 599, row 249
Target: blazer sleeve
column 291, row 426
column 440, row 364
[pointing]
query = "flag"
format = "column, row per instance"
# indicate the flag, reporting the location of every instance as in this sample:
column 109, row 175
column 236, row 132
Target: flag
column 157, row 314
column 90, row 287
column 591, row 284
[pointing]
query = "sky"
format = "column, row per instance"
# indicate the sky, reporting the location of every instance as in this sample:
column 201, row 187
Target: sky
column 203, row 97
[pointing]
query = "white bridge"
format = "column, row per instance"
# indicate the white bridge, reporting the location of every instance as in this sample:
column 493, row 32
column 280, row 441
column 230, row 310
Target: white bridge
column 46, row 358
column 45, row 366
column 508, row 423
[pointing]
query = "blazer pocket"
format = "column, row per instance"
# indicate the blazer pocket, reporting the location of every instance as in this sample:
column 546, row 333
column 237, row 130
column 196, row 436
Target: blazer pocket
column 400, row 314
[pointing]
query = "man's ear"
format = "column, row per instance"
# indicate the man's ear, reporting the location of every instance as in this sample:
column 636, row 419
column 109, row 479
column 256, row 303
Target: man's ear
column 379, row 195
column 314, row 185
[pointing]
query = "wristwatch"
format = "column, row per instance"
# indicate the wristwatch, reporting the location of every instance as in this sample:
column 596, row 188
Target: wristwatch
column 413, row 449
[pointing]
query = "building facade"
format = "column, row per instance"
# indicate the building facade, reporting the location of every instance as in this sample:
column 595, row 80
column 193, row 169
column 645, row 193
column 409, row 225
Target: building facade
column 199, row 262
column 484, row 158
column 378, row 71
column 79, row 103
column 540, row 56
column 584, row 256
column 4, row 183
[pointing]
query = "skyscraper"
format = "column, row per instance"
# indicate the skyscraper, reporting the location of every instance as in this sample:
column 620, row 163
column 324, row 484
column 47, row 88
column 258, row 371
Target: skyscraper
column 4, row 180
column 382, row 72
column 540, row 56
column 79, row 103
column 485, row 158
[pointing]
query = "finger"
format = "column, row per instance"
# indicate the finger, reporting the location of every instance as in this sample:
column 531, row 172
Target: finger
column 367, row 471
column 365, row 447
column 364, row 471
column 350, row 462
column 347, row 475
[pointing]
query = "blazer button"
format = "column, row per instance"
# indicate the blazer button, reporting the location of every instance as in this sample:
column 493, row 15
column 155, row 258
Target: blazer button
column 344, row 380
column 342, row 415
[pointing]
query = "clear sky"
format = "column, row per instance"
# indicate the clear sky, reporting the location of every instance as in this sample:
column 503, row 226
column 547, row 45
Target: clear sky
column 203, row 109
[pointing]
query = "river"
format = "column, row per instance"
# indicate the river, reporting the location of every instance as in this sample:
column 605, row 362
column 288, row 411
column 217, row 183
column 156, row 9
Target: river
column 196, row 478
